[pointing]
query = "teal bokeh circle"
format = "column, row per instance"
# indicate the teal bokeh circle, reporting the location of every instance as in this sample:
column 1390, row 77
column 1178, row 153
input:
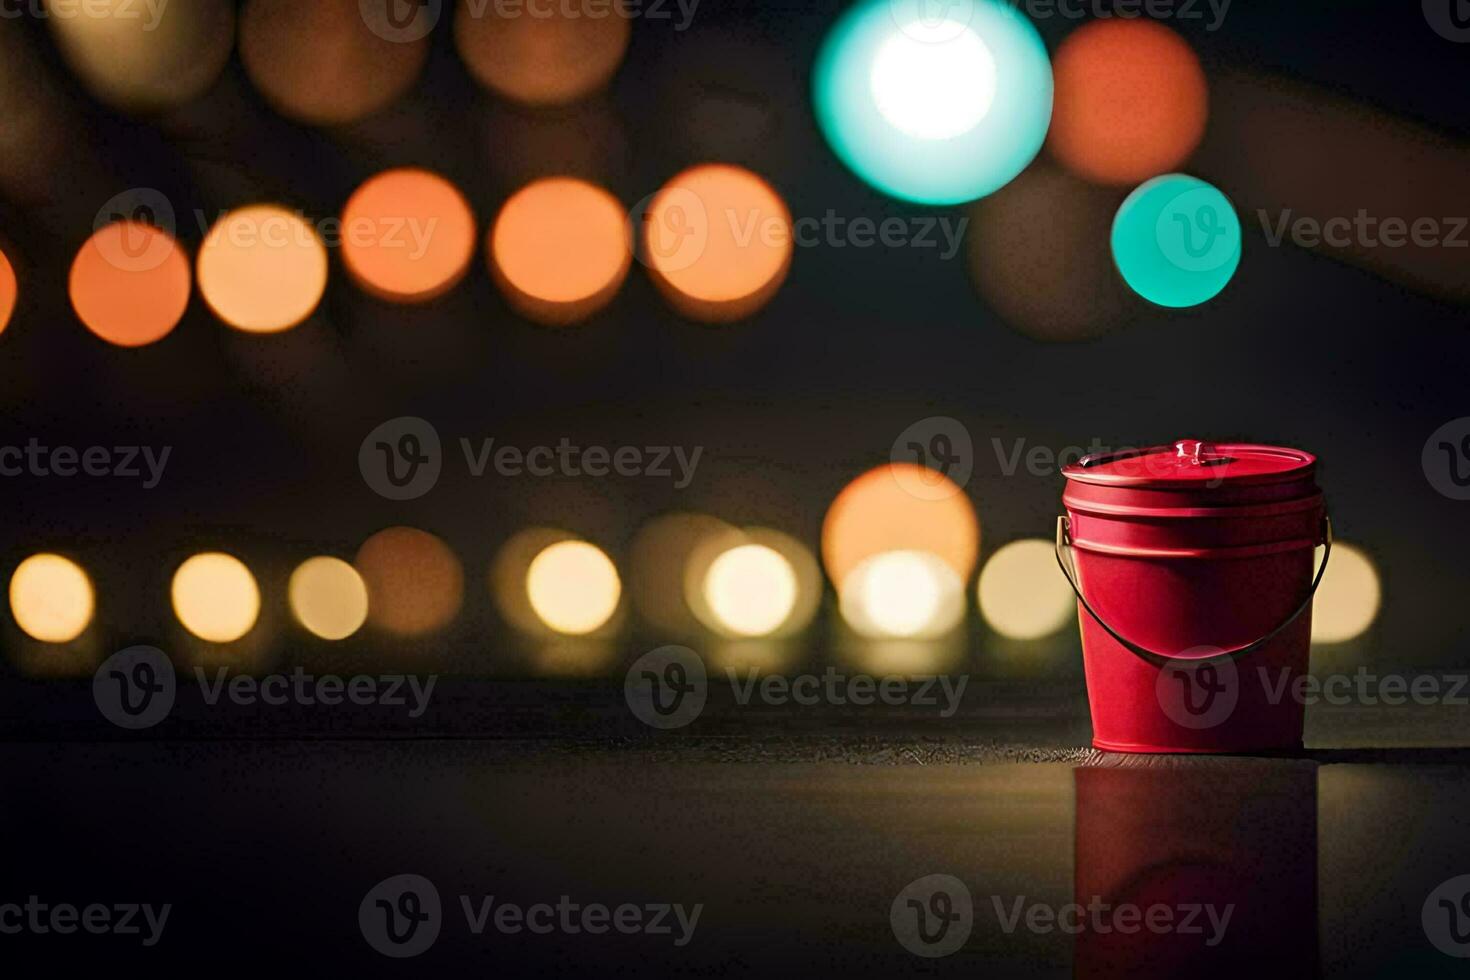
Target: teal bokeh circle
column 960, row 168
column 1177, row 241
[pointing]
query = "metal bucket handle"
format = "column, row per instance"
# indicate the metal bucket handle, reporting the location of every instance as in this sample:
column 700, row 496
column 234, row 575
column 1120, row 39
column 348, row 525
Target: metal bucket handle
column 1065, row 560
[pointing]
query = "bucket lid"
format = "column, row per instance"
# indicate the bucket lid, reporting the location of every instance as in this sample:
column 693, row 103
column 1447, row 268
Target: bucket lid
column 1190, row 463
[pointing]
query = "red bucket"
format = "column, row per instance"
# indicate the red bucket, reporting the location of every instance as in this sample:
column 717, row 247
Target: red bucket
column 1192, row 565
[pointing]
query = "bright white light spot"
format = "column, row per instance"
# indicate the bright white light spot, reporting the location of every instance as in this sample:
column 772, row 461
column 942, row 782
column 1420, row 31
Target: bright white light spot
column 1023, row 594
column 751, row 590
column 903, row 594
column 573, row 587
column 938, row 90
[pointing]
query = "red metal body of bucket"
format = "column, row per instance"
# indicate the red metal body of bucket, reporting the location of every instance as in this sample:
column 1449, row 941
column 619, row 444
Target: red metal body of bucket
column 1194, row 572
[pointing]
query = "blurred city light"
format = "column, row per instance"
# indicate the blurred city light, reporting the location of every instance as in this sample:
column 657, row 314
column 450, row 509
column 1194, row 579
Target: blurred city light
column 560, row 250
column 146, row 57
column 262, row 269
column 1177, row 241
column 215, row 597
column 408, row 236
column 415, row 584
column 550, row 56
column 9, row 291
column 903, row 595
column 1131, row 101
column 718, row 242
column 934, row 109
column 877, row 513
column 751, row 590
column 1022, row 592
column 328, row 597
column 327, row 62
column 1038, row 254
column 1348, row 599
column 573, row 587
column 130, row 284
column 51, row 598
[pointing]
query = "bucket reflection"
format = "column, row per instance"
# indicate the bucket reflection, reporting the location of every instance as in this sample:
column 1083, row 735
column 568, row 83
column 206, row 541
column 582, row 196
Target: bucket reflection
column 1196, row 868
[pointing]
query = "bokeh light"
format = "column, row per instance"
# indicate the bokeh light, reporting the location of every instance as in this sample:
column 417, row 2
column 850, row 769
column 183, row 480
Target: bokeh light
column 876, row 513
column 751, row 590
column 415, row 584
column 1131, row 101
column 934, row 109
column 215, row 597
column 659, row 560
column 408, row 235
column 551, row 55
column 145, row 57
column 1023, row 594
column 328, row 597
column 903, row 595
column 262, row 269
column 1348, row 599
column 1177, row 241
column 324, row 62
column 1038, row 254
column 9, row 291
column 718, row 242
column 560, row 250
column 130, row 283
column 574, row 587
column 51, row 598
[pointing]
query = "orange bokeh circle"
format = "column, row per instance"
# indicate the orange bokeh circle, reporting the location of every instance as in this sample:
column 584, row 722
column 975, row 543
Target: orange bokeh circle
column 1131, row 101
column 9, row 291
column 718, row 241
column 883, row 511
column 540, row 55
column 408, row 235
column 560, row 250
column 130, row 283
